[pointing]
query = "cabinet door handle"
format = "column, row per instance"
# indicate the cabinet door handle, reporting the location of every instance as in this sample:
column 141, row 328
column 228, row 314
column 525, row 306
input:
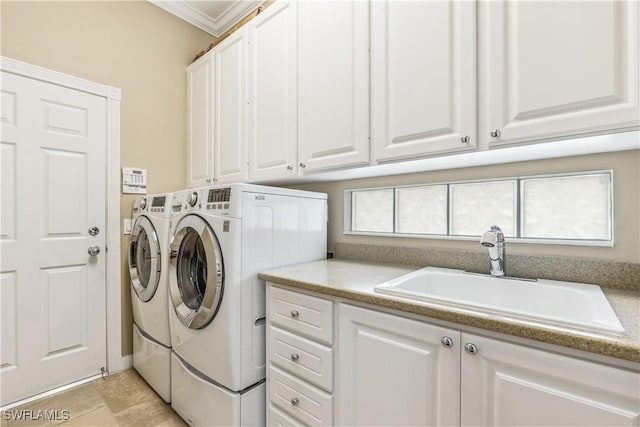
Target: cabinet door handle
column 289, row 167
column 295, row 401
column 495, row 133
column 302, row 165
column 294, row 313
column 447, row 342
column 465, row 139
column 295, row 357
column 470, row 348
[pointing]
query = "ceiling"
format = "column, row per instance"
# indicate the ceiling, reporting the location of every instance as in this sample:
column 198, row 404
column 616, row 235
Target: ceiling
column 214, row 16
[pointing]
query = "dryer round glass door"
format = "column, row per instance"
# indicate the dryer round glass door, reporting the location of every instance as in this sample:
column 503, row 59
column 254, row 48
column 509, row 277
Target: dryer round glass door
column 196, row 272
column 144, row 258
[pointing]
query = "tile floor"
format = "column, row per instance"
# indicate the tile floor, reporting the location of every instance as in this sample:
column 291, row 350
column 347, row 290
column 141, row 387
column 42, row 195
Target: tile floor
column 122, row 399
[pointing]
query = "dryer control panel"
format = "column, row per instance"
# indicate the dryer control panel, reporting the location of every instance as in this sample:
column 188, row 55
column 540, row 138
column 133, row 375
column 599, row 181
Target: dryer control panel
column 218, row 200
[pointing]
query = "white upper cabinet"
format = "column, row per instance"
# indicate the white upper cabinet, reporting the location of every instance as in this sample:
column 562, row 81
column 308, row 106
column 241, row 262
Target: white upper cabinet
column 272, row 108
column 230, row 128
column 423, row 78
column 557, row 68
column 333, row 84
column 200, row 122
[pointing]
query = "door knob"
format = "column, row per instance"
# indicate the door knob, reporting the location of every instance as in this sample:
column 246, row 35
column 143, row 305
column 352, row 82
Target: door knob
column 471, row 348
column 447, row 342
column 93, row 250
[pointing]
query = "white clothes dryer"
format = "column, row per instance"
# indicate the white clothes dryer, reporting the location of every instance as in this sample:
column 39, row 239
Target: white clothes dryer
column 222, row 238
column 148, row 257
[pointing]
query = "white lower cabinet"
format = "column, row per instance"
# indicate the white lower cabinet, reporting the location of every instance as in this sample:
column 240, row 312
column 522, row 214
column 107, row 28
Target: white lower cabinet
column 386, row 369
column 394, row 371
column 505, row 384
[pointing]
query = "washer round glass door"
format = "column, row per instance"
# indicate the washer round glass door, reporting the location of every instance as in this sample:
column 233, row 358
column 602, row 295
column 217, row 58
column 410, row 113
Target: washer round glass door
column 144, row 259
column 196, row 272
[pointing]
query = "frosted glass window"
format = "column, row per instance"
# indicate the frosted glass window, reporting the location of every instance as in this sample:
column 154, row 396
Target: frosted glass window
column 475, row 207
column 422, row 210
column 372, row 210
column 566, row 207
column 575, row 207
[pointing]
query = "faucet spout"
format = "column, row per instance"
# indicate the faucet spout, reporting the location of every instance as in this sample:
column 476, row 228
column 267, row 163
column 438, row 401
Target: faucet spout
column 493, row 240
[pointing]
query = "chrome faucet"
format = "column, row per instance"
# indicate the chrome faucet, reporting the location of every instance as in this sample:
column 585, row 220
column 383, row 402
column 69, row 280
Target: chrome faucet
column 493, row 240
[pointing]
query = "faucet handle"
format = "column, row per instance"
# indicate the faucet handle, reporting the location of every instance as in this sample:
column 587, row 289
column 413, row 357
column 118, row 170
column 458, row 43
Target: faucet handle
column 498, row 233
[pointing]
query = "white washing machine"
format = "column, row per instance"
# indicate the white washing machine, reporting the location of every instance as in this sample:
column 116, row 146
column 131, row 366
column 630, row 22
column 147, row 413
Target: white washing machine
column 222, row 237
column 148, row 256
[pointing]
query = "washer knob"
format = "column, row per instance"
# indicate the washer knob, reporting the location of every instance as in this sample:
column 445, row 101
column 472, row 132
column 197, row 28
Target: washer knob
column 143, row 203
column 193, row 199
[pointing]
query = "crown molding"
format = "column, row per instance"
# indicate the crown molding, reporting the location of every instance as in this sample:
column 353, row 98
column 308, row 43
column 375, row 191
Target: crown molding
column 214, row 26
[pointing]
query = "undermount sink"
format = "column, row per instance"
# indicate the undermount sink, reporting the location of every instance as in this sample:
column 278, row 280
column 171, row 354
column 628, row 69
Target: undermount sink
column 563, row 304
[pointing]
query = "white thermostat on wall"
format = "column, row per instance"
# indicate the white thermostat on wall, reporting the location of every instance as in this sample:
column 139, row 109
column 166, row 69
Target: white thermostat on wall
column 134, row 180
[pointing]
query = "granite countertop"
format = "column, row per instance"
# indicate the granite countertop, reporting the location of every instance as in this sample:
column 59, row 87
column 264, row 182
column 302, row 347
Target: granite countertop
column 355, row 280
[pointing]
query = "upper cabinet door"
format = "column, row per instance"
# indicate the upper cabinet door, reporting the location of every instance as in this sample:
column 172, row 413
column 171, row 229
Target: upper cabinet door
column 423, row 77
column 272, row 113
column 230, row 103
column 333, row 84
column 555, row 68
column 200, row 122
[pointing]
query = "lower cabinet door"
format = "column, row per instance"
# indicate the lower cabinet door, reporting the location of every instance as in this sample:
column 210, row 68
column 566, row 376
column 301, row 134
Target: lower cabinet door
column 396, row 371
column 505, row 384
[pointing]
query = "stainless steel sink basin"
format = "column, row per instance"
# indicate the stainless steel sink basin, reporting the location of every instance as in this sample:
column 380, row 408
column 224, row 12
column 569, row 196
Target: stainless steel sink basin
column 563, row 304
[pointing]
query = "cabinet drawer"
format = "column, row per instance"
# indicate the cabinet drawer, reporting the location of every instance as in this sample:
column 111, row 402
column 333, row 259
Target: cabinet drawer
column 280, row 419
column 303, row 314
column 305, row 359
column 302, row 401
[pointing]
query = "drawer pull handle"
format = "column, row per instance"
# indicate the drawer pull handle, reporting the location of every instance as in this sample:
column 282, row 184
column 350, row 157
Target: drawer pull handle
column 295, row 357
column 294, row 313
column 295, row 401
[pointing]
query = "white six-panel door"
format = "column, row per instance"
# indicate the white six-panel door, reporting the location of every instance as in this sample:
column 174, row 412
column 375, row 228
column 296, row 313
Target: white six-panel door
column 53, row 190
column 554, row 68
column 423, row 79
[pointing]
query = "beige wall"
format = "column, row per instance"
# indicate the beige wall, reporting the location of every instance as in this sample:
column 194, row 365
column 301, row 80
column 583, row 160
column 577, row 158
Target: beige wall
column 625, row 165
column 132, row 45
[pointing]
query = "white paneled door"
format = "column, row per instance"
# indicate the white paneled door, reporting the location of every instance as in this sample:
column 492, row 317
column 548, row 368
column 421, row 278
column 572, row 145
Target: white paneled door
column 53, row 191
